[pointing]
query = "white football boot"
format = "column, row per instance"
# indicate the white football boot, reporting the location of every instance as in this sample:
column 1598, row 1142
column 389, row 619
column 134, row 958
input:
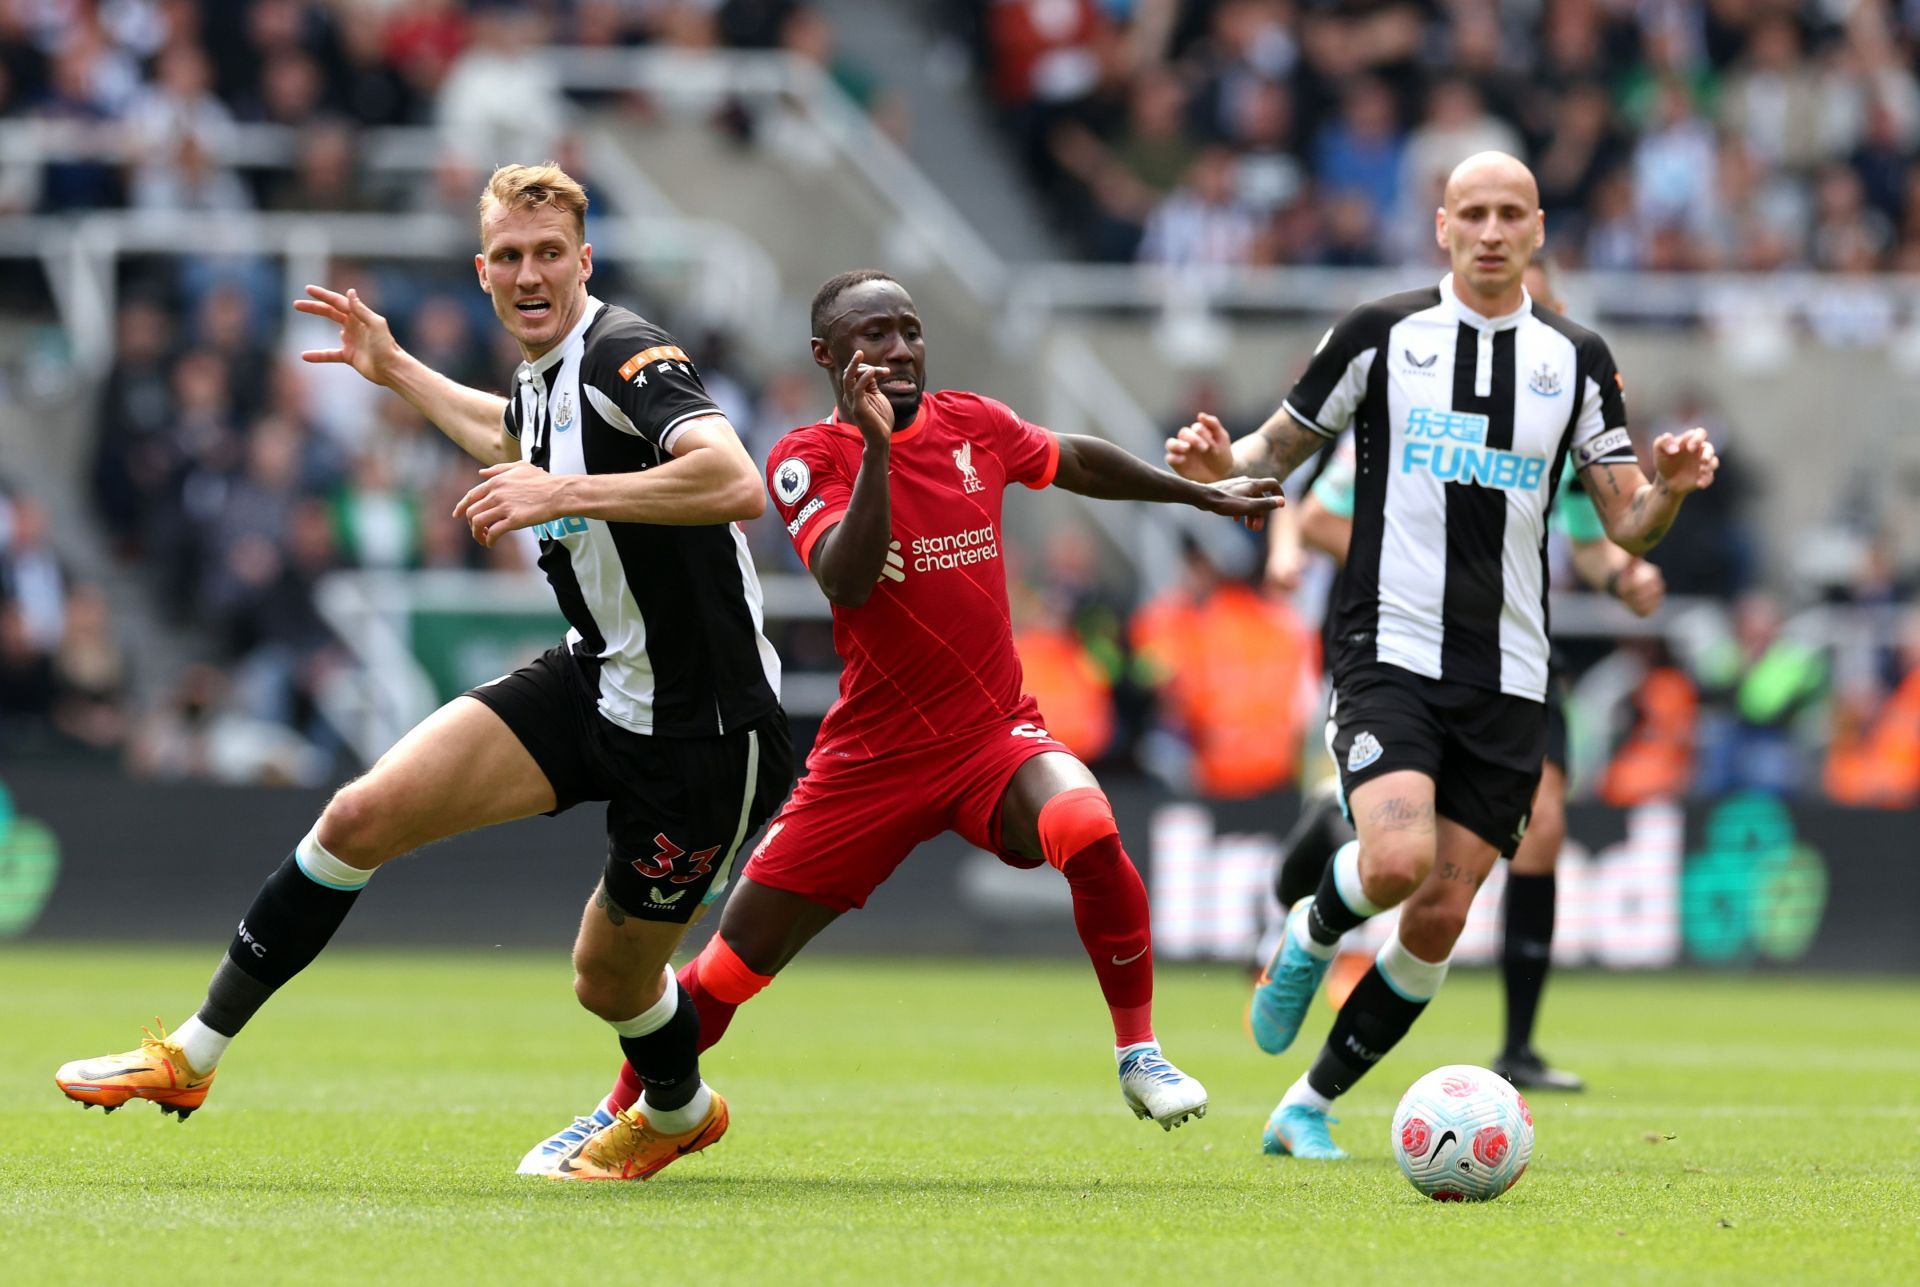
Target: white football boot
column 1154, row 1088
column 545, row 1156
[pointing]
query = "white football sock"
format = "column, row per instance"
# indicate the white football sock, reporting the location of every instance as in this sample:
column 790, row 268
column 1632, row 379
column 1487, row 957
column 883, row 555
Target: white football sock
column 1407, row 974
column 1346, row 879
column 676, row 1121
column 200, row 1044
column 1301, row 1093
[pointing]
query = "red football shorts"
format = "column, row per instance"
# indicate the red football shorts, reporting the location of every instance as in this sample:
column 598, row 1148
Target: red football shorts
column 848, row 824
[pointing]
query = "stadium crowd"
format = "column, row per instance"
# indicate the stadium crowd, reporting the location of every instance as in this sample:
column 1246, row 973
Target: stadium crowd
column 1739, row 133
column 1669, row 135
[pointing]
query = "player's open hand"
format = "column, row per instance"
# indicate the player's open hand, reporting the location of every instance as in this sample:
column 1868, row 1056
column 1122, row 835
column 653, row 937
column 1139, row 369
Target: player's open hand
column 510, row 495
column 1248, row 499
column 1202, row 451
column 366, row 342
column 1685, row 463
column 1641, row 587
column 860, row 390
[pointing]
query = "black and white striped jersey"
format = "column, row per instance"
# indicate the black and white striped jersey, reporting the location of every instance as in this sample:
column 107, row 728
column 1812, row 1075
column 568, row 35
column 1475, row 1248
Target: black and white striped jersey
column 672, row 613
column 1462, row 425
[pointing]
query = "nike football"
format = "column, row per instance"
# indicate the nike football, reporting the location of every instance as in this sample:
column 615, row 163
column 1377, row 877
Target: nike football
column 1462, row 1134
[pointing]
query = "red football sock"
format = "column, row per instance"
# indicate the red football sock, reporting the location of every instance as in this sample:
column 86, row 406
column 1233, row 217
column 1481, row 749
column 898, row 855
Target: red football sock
column 718, row 982
column 1109, row 905
column 626, row 1090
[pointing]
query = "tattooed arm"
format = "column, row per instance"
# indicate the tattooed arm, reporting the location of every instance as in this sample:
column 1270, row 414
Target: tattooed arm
column 1637, row 512
column 1205, row 453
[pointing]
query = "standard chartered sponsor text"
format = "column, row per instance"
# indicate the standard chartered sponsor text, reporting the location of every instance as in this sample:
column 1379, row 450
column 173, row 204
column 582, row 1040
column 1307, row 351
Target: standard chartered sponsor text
column 957, row 549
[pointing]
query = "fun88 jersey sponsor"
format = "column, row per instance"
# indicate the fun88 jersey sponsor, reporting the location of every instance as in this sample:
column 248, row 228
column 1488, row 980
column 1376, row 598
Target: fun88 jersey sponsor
column 1461, row 426
column 931, row 653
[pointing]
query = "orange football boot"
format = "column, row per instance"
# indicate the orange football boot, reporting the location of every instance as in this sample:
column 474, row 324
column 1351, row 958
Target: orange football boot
column 158, row 1071
column 630, row 1149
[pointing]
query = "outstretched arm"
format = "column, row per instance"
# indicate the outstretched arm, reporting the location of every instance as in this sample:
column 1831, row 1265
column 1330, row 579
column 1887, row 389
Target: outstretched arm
column 1097, row 468
column 1637, row 512
column 1204, row 452
column 474, row 420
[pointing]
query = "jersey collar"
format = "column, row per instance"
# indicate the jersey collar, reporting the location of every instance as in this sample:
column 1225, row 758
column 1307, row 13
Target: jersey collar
column 852, row 430
column 546, row 361
column 1479, row 321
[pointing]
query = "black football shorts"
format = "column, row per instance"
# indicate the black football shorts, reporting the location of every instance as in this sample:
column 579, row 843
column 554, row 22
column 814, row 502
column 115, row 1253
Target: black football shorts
column 679, row 809
column 1482, row 749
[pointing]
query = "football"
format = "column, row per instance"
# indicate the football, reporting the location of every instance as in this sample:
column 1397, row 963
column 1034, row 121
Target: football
column 1462, row 1134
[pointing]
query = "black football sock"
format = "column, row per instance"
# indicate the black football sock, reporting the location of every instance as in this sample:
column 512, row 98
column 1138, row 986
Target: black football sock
column 1339, row 903
column 663, row 1045
column 1527, row 953
column 1378, row 1012
column 291, row 919
column 1309, row 847
column 1371, row 1022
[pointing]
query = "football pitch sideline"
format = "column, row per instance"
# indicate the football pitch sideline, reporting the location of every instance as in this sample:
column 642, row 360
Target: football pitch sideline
column 906, row 1121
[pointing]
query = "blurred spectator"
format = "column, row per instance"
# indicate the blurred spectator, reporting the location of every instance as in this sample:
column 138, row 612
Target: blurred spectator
column 1711, row 549
column 1874, row 758
column 1654, row 759
column 26, row 680
column 1097, row 616
column 1672, row 137
column 227, row 330
column 1577, row 156
column 187, row 178
column 133, row 460
column 368, row 87
column 325, row 177
column 1202, row 223
column 86, row 89
column 1362, row 152
column 498, row 100
column 1237, row 672
column 1062, row 676
column 1765, row 691
column 807, row 34
column 1774, row 98
column 1673, row 165
column 179, row 105
column 197, row 733
column 377, row 522
column 291, row 91
column 91, row 680
column 32, row 581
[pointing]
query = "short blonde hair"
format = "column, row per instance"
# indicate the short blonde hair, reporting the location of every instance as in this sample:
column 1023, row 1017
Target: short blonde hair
column 517, row 187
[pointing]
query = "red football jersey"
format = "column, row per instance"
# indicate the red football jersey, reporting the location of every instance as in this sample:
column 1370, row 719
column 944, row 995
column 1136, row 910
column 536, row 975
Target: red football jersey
column 931, row 653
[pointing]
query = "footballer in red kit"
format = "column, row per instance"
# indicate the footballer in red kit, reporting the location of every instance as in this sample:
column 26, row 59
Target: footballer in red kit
column 894, row 504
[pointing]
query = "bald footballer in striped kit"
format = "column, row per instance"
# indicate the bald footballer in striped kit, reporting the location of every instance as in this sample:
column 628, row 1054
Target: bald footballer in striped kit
column 1465, row 403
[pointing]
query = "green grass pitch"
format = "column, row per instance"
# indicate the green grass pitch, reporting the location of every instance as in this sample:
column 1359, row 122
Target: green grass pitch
column 941, row 1121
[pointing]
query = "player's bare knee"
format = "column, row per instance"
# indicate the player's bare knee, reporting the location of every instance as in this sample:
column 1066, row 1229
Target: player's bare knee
column 356, row 828
column 1390, row 870
column 612, row 990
